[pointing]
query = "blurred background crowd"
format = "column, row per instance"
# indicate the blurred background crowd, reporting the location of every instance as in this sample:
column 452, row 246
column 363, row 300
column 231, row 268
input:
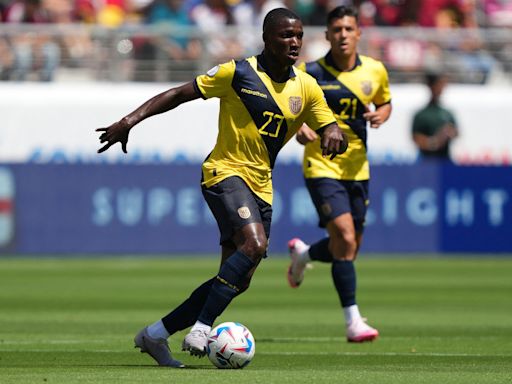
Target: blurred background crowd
column 173, row 40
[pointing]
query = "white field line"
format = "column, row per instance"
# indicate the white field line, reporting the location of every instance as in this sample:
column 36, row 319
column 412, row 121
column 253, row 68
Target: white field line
column 337, row 339
column 115, row 338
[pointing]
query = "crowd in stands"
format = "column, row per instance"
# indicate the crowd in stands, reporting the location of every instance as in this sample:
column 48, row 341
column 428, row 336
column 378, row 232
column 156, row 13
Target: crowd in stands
column 22, row 53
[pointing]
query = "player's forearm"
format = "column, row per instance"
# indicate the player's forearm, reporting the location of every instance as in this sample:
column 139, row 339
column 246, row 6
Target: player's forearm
column 161, row 103
column 384, row 112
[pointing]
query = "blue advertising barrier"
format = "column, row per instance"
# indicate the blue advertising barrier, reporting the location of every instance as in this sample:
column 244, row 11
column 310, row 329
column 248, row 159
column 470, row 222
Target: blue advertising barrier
column 131, row 209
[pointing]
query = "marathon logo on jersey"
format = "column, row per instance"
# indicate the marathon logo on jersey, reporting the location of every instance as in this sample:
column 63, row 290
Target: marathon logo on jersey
column 330, row 87
column 6, row 207
column 295, row 103
column 244, row 212
column 254, row 93
column 366, row 87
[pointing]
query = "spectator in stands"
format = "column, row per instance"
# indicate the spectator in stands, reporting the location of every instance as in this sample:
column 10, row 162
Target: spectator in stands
column 76, row 45
column 427, row 10
column 248, row 16
column 464, row 51
column 166, row 56
column 212, row 17
column 394, row 13
column 405, row 53
column 6, row 59
column 498, row 13
column 318, row 13
column 32, row 51
column 84, row 11
column 112, row 13
column 434, row 127
column 171, row 13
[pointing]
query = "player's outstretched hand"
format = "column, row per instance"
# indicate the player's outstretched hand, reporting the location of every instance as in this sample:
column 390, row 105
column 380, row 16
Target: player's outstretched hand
column 117, row 132
column 334, row 141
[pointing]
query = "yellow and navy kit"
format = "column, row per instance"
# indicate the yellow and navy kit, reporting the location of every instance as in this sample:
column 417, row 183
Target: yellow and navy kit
column 347, row 93
column 257, row 117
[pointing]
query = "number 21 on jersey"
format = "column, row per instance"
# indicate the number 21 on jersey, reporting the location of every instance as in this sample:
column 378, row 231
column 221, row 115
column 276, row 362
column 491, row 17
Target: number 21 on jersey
column 348, row 108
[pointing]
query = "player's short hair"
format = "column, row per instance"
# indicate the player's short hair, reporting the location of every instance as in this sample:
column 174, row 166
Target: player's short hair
column 341, row 11
column 276, row 15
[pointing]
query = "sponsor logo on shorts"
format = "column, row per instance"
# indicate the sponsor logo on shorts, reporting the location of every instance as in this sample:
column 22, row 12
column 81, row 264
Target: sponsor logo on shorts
column 244, row 212
column 326, row 209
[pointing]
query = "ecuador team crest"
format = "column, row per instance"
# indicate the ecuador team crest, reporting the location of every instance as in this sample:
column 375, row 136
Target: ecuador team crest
column 366, row 87
column 295, row 103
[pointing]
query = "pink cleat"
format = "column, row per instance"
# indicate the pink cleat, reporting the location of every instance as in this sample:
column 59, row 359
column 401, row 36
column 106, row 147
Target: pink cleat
column 358, row 332
column 295, row 274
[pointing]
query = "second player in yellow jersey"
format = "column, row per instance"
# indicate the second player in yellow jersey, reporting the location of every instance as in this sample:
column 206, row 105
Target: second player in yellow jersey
column 357, row 91
column 349, row 95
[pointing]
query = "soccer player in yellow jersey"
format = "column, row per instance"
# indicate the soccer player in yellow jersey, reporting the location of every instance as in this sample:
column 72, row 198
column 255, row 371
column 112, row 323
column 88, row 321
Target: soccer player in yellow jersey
column 263, row 102
column 339, row 188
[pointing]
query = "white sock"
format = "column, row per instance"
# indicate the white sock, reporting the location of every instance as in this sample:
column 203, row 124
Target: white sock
column 158, row 331
column 351, row 313
column 202, row 327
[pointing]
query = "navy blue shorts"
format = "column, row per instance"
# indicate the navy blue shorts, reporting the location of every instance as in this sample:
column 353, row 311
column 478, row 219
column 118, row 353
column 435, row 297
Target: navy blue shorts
column 333, row 198
column 235, row 205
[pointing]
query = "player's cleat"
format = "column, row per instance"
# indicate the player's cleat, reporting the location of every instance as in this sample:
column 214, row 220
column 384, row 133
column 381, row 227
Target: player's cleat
column 195, row 342
column 158, row 349
column 296, row 269
column 358, row 332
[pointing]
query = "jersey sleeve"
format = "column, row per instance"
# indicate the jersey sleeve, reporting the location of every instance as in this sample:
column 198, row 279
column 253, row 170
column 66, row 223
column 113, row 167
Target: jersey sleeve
column 217, row 81
column 318, row 113
column 383, row 94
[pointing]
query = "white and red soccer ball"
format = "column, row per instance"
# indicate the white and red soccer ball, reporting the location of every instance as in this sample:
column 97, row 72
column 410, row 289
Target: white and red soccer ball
column 230, row 345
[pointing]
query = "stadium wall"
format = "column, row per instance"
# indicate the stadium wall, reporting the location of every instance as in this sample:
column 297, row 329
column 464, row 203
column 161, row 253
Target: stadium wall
column 57, row 195
column 158, row 209
column 54, row 123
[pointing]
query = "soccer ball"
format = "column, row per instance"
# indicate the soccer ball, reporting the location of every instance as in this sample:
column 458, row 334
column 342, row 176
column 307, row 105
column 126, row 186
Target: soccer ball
column 230, row 345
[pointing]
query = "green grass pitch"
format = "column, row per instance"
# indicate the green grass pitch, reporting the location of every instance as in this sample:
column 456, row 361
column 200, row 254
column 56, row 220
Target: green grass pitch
column 442, row 320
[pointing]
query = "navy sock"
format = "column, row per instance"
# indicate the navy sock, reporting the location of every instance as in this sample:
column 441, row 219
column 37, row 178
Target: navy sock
column 229, row 281
column 344, row 277
column 187, row 312
column 320, row 251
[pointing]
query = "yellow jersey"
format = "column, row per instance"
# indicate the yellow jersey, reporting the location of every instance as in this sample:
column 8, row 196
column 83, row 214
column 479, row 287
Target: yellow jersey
column 347, row 94
column 257, row 117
